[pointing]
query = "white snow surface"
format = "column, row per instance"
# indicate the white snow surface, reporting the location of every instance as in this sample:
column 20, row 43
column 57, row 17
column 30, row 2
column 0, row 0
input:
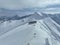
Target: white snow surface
column 44, row 32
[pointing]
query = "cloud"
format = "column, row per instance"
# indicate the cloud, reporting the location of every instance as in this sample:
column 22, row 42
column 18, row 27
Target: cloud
column 20, row 4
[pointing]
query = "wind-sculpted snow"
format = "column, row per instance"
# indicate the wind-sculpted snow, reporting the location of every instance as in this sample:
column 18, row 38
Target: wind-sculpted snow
column 52, row 28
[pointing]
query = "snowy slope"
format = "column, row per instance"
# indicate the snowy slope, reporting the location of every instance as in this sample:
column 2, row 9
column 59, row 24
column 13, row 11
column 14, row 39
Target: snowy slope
column 11, row 24
column 45, row 32
column 23, row 35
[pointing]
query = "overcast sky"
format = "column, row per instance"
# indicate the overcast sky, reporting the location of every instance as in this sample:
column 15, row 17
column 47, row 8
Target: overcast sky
column 19, row 4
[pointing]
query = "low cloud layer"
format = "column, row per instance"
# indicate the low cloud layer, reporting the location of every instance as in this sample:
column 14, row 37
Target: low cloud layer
column 20, row 4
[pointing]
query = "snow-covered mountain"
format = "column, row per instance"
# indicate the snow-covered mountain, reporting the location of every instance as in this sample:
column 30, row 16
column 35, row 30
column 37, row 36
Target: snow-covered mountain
column 45, row 31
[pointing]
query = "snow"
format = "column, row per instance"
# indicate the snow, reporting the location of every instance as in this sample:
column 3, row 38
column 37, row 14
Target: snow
column 18, row 32
column 24, row 34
